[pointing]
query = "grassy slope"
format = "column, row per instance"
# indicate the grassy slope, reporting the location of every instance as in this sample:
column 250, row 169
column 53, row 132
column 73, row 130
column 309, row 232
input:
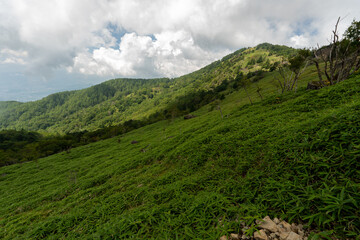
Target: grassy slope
column 119, row 100
column 293, row 156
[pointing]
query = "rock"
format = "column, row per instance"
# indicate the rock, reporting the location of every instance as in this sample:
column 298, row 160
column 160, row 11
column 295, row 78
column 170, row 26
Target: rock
column 272, row 235
column 268, row 224
column 284, row 235
column 189, row 116
column 293, row 236
column 276, row 229
column 294, row 228
column 284, row 227
column 300, row 227
column 260, row 235
column 234, row 236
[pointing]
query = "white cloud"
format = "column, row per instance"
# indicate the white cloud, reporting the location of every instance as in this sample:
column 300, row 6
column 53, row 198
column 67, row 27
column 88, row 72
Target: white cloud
column 12, row 56
column 158, row 37
column 169, row 54
column 300, row 41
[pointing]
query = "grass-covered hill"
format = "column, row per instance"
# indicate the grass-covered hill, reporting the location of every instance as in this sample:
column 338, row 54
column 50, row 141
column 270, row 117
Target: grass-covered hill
column 119, row 100
column 294, row 156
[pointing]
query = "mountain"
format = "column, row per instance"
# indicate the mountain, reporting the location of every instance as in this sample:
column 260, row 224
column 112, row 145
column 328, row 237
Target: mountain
column 119, row 100
column 7, row 105
column 293, row 156
column 246, row 149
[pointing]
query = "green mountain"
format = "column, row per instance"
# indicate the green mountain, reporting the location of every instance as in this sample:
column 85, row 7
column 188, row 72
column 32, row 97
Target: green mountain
column 119, row 100
column 7, row 105
column 245, row 152
column 293, row 156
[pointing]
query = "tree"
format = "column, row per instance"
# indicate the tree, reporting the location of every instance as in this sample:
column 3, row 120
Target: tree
column 244, row 83
column 216, row 104
column 291, row 71
column 341, row 57
column 353, row 33
column 258, row 90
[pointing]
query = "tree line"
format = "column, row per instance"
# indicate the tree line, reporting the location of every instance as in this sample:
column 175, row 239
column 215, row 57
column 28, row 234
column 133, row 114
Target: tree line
column 23, row 146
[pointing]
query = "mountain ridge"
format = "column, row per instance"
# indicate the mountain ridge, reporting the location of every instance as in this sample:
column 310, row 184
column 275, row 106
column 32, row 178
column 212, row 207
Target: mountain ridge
column 119, row 99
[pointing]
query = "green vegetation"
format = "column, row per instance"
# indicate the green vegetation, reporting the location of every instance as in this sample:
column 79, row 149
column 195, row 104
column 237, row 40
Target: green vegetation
column 5, row 106
column 119, row 100
column 293, row 156
column 135, row 168
column 22, row 146
column 168, row 106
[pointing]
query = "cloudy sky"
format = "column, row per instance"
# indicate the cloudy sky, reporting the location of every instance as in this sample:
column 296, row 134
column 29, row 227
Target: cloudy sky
column 48, row 46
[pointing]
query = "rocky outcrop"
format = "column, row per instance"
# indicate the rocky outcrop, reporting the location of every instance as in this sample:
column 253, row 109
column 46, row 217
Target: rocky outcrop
column 269, row 229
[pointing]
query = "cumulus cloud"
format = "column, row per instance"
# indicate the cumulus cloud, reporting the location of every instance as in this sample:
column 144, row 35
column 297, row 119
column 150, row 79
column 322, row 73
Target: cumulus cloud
column 142, row 38
column 300, row 41
column 168, row 54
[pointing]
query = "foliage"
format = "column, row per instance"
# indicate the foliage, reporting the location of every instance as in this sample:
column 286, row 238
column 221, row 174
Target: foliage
column 291, row 71
column 17, row 147
column 157, row 176
column 113, row 102
column 341, row 58
column 278, row 49
column 352, row 33
column 293, row 156
column 5, row 106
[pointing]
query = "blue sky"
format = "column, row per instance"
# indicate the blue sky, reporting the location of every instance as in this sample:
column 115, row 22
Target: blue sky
column 57, row 45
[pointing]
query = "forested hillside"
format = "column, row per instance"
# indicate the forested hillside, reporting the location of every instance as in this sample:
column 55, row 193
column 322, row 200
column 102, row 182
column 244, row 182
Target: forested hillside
column 6, row 106
column 119, row 100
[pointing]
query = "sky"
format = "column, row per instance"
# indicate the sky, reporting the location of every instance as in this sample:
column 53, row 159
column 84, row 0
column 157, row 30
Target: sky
column 47, row 46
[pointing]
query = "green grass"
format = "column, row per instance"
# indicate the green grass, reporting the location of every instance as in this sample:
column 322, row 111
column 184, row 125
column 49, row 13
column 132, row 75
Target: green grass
column 293, row 156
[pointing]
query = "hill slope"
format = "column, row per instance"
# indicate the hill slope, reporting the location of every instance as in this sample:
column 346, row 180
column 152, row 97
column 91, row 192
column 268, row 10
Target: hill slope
column 293, row 156
column 5, row 106
column 120, row 100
